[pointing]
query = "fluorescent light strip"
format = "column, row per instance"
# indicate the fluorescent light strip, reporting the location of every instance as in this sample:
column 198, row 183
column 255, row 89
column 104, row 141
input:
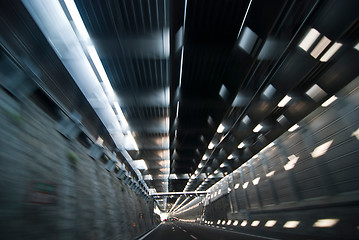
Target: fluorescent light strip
column 245, row 185
column 210, row 145
column 204, row 157
column 181, row 66
column 309, row 39
column 323, row 43
column 177, row 110
column 236, row 186
column 284, row 101
column 329, row 101
column 220, row 128
column 257, row 128
column 244, row 223
column 241, row 145
column 75, row 15
column 322, row 149
column 230, row 157
column 293, row 128
column 331, row 51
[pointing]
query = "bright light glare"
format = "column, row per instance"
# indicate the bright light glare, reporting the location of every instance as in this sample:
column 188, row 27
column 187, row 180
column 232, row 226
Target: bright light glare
column 293, row 128
column 255, row 223
column 356, row 134
column 236, row 186
column 204, row 157
column 291, row 163
column 256, row 181
column 244, row 223
column 241, row 145
column 245, row 185
column 322, row 149
column 220, row 128
column 229, row 222
column 222, row 165
column 284, row 101
column 329, row 101
column 177, row 110
column 270, row 174
column 235, row 223
column 291, row 224
column 75, row 15
column 309, row 39
column 223, row 222
column 230, row 157
column 257, row 128
column 331, row 51
column 210, row 145
column 323, row 43
column 219, row 221
column 325, row 222
column 270, row 223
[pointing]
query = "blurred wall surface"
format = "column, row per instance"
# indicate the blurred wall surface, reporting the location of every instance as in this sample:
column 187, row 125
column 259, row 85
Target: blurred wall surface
column 51, row 189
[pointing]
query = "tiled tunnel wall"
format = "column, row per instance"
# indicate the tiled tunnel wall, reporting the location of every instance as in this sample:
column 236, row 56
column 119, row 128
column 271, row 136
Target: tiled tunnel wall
column 307, row 175
column 51, row 188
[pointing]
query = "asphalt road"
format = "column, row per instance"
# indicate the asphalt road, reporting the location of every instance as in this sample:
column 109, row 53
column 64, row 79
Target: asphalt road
column 187, row 231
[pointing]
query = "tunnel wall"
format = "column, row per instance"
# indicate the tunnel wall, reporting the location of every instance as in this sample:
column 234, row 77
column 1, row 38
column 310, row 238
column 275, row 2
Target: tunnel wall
column 51, row 188
column 297, row 179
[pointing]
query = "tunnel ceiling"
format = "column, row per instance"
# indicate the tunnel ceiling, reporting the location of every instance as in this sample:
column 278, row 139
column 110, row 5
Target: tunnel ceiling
column 182, row 70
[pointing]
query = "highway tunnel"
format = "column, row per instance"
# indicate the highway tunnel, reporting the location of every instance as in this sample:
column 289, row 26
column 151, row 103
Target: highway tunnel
column 179, row 119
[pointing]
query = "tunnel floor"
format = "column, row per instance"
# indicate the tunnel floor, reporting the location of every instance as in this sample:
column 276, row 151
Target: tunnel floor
column 187, row 231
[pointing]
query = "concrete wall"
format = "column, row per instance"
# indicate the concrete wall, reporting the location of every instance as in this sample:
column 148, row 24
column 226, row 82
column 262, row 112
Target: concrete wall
column 295, row 180
column 51, row 189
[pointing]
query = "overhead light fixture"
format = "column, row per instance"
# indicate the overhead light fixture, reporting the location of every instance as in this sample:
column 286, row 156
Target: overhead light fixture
column 291, row 163
column 257, row 128
column 323, row 43
column 325, row 223
column 329, row 101
column 140, row 164
column 255, row 223
column 246, row 119
column 245, row 185
column 284, row 101
column 322, row 149
column 270, row 223
column 235, row 223
column 331, row 51
column 269, row 91
column 230, row 157
column 236, row 186
column 177, row 110
column 316, row 93
column 244, row 223
column 291, row 224
column 309, row 39
column 204, row 157
column 256, row 181
column 220, row 128
column 357, row 46
column 241, row 145
column 216, row 172
column 293, row 128
column 270, row 174
column 222, row 165
column 210, row 145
